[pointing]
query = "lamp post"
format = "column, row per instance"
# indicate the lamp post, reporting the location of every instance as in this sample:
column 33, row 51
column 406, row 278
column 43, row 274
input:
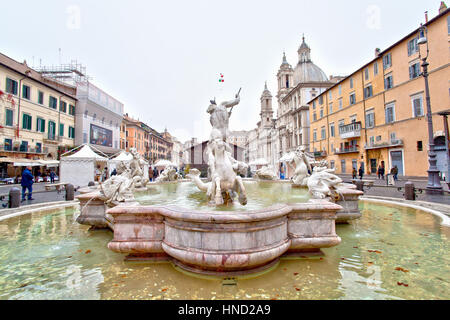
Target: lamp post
column 434, row 183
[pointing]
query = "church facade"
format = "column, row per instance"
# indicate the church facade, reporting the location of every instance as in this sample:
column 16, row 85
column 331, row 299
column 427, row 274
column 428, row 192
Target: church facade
column 275, row 138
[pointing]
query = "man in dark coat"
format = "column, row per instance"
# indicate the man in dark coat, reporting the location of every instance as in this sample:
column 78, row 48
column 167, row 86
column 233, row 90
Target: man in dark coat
column 27, row 183
column 361, row 172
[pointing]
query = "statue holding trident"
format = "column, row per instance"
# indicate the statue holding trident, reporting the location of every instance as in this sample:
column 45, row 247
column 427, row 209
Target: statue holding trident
column 220, row 115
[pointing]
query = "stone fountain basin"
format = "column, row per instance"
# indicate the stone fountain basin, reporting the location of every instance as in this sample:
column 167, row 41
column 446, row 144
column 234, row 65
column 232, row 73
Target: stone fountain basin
column 222, row 242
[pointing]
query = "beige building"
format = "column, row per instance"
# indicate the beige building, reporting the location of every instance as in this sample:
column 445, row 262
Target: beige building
column 377, row 115
column 37, row 119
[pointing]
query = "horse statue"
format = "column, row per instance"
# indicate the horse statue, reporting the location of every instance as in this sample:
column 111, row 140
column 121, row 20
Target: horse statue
column 323, row 183
column 302, row 167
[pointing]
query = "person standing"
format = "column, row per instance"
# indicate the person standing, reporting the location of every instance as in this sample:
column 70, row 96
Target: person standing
column 354, row 173
column 150, row 174
column 361, row 172
column 27, row 183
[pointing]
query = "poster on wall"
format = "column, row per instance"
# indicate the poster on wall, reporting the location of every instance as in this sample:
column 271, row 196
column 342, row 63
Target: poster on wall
column 101, row 136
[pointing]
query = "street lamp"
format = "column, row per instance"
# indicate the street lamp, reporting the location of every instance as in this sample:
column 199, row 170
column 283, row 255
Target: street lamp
column 434, row 183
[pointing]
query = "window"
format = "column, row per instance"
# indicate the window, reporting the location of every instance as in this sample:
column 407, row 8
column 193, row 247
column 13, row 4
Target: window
column 8, row 144
column 323, row 133
column 387, row 61
column 340, row 104
column 413, row 47
column 332, row 164
column 417, row 105
column 448, row 24
column 368, row 92
column 51, row 130
column 393, row 137
column 52, row 102
column 71, row 109
column 40, row 97
column 341, row 123
column 26, row 92
column 419, row 146
column 314, row 105
column 340, row 89
column 9, row 117
column 314, row 116
column 375, row 68
column 321, row 113
column 24, row 146
column 390, row 113
column 61, row 129
column 62, row 106
column 378, row 138
column 11, row 86
column 388, row 82
column 351, row 83
column 352, row 99
column 315, row 135
column 414, row 70
column 26, row 121
column 321, row 100
column 332, row 131
column 40, row 125
column 371, row 141
column 366, row 73
column 331, row 95
column 343, row 166
column 370, row 119
column 38, row 147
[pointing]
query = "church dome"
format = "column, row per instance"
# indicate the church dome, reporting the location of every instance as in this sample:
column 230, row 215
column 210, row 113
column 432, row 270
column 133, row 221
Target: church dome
column 306, row 70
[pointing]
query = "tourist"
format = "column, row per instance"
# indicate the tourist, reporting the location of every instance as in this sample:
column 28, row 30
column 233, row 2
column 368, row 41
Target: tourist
column 354, row 173
column 114, row 172
column 27, row 183
column 97, row 173
column 394, row 171
column 361, row 172
column 52, row 176
column 150, row 174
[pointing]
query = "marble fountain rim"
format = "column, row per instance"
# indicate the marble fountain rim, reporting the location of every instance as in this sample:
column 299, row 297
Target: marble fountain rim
column 192, row 215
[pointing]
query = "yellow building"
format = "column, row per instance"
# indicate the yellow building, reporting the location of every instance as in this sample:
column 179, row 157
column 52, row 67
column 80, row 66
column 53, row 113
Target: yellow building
column 377, row 115
column 36, row 118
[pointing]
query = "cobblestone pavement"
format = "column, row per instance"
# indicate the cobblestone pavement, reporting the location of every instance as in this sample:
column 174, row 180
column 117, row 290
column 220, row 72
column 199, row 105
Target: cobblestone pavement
column 382, row 190
column 39, row 195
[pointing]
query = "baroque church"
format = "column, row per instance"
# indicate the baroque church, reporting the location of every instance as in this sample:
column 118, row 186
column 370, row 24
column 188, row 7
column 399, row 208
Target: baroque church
column 274, row 139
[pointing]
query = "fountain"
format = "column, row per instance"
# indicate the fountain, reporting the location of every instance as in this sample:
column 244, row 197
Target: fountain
column 225, row 232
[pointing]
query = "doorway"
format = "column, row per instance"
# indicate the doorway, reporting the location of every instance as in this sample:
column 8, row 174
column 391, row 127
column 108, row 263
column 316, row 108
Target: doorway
column 397, row 160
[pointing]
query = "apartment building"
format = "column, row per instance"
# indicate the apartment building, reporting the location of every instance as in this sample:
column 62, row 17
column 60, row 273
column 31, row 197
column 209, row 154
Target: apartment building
column 37, row 119
column 377, row 115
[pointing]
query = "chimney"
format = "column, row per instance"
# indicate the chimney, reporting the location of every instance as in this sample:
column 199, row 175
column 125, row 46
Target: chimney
column 426, row 16
column 443, row 7
column 377, row 52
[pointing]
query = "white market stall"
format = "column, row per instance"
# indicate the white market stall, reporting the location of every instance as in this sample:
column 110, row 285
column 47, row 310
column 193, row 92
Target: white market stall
column 258, row 164
column 79, row 168
column 125, row 157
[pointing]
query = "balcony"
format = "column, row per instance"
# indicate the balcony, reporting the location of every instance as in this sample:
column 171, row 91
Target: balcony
column 349, row 149
column 352, row 130
column 390, row 144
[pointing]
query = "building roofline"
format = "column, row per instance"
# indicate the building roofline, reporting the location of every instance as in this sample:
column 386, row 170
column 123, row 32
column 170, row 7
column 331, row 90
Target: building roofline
column 33, row 77
column 382, row 53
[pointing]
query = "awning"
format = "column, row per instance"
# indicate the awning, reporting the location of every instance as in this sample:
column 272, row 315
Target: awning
column 164, row 163
column 22, row 162
column 49, row 163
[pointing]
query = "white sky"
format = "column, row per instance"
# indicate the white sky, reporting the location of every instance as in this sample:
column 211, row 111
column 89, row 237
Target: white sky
column 163, row 59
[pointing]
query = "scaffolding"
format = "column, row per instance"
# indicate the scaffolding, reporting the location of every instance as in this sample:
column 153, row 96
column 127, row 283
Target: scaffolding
column 71, row 73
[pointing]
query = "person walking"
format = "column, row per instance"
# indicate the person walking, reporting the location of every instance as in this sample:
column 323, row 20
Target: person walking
column 114, row 172
column 361, row 172
column 27, row 183
column 52, row 176
column 395, row 173
column 354, row 173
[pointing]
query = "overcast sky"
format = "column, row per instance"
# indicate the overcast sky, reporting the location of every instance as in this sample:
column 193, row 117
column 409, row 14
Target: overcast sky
column 163, row 59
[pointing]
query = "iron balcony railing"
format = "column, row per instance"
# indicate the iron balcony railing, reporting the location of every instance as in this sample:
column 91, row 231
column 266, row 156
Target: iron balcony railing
column 350, row 149
column 352, row 130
